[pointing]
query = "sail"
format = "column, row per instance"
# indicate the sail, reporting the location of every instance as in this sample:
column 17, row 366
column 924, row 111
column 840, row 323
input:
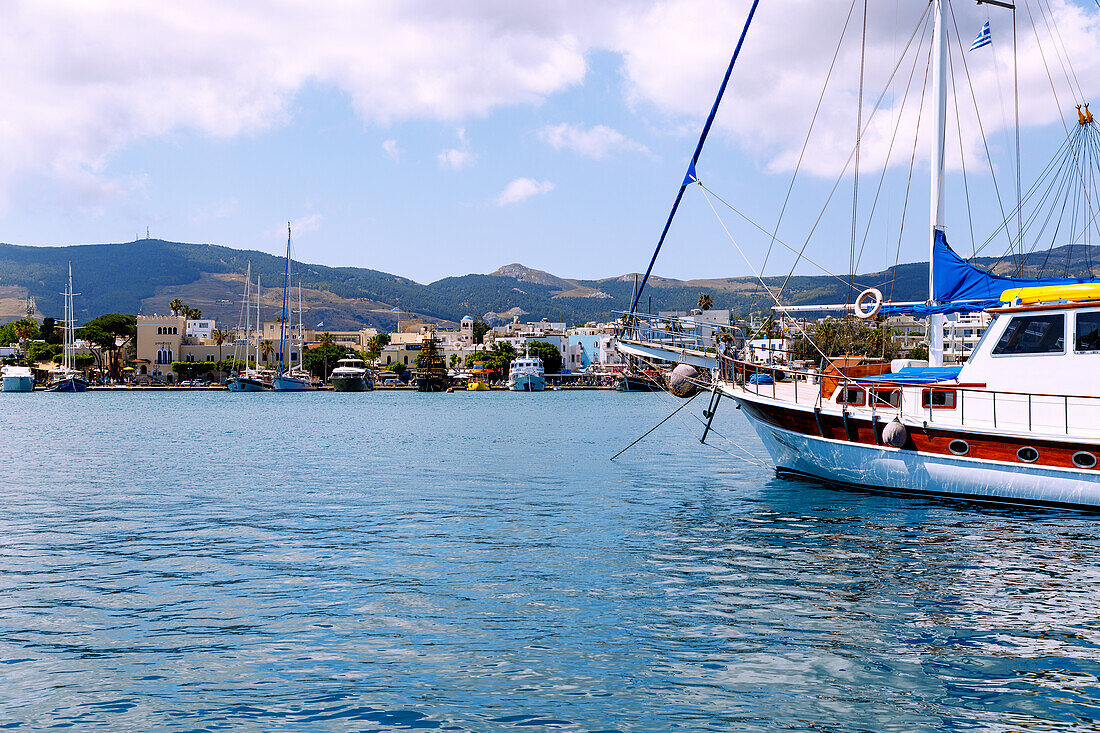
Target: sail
column 954, row 279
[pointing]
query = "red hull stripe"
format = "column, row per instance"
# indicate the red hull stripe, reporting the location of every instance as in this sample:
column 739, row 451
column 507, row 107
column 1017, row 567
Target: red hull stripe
column 931, row 440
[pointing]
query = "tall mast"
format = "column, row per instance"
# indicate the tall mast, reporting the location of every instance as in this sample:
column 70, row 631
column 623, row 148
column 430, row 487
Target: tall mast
column 286, row 304
column 939, row 81
column 70, row 322
column 247, row 318
column 301, row 331
column 259, row 323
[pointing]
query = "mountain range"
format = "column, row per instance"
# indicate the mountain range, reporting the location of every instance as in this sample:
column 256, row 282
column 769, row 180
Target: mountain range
column 145, row 275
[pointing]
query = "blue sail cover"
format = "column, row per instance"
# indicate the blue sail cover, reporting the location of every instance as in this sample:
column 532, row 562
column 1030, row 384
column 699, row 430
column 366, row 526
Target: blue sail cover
column 955, row 279
column 960, row 287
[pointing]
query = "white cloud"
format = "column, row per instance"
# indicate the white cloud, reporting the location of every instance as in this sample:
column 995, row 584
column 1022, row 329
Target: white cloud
column 457, row 158
column 306, row 224
column 392, row 151
column 522, row 189
column 84, row 80
column 594, row 142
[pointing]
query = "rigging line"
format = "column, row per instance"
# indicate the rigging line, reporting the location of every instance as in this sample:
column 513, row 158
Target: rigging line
column 690, row 176
column 666, row 419
column 1060, row 51
column 962, row 153
column 889, row 155
column 870, row 118
column 1016, row 108
column 1058, row 105
column 766, row 288
column 667, row 395
column 855, row 167
column 981, row 128
column 1051, row 168
column 732, row 208
column 805, row 144
column 912, row 166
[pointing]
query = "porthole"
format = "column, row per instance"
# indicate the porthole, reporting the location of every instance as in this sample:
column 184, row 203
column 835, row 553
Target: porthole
column 1027, row 454
column 959, row 447
column 1084, row 459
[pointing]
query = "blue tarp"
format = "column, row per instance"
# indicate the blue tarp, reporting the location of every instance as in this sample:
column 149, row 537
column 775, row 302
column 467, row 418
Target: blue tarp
column 916, row 375
column 960, row 287
column 954, row 279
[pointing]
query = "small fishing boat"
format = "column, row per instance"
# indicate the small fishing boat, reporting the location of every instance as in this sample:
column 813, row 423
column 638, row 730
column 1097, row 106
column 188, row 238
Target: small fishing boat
column 17, row 378
column 66, row 378
column 351, row 375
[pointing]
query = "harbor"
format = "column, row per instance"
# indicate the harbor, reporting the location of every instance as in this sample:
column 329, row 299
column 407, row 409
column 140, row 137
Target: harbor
column 671, row 365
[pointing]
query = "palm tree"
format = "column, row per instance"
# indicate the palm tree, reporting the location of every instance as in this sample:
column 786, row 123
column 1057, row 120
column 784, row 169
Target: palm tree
column 176, row 306
column 325, row 339
column 705, row 301
column 267, row 348
column 219, row 337
column 193, row 314
column 24, row 329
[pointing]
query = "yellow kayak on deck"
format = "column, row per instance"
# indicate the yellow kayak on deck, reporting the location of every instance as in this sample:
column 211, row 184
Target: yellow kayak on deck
column 1051, row 294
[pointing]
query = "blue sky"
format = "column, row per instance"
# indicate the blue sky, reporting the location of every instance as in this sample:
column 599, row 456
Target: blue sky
column 430, row 146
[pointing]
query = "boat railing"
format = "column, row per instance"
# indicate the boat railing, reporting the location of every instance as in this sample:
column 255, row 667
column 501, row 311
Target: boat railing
column 677, row 331
column 944, row 404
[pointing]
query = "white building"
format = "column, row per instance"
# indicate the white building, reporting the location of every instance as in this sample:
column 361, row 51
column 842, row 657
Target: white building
column 961, row 334
column 202, row 328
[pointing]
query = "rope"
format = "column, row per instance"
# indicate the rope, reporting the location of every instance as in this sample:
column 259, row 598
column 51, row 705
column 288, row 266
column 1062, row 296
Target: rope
column 666, row 419
column 805, row 144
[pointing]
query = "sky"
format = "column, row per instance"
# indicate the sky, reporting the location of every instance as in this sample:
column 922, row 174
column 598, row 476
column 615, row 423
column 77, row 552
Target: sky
column 433, row 139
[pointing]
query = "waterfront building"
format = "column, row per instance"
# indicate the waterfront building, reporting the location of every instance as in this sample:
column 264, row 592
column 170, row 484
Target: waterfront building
column 162, row 340
column 201, row 328
column 961, row 333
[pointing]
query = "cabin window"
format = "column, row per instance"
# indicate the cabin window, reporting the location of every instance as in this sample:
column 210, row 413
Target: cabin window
column 1087, row 336
column 1033, row 334
column 850, row 396
column 938, row 399
column 885, row 397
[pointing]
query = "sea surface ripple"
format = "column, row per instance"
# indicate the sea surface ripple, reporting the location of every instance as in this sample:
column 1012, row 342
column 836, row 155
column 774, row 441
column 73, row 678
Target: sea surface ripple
column 474, row 562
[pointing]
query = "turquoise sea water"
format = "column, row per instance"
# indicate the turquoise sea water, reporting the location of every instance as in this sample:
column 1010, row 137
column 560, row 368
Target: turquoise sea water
column 473, row 562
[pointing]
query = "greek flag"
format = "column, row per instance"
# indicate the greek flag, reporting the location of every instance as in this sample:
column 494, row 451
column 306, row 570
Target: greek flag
column 984, row 38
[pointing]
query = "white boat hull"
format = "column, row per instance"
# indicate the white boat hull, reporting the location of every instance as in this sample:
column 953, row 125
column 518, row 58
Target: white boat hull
column 527, row 383
column 291, row 384
column 18, row 384
column 909, row 472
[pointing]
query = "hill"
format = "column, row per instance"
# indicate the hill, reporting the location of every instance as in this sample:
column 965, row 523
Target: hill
column 147, row 274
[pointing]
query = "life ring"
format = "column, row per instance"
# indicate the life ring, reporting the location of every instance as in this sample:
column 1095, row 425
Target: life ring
column 875, row 296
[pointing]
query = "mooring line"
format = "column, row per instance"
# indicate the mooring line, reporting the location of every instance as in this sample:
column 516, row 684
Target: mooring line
column 669, row 416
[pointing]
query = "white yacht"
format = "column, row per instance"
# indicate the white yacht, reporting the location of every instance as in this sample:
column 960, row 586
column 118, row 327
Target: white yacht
column 351, row 375
column 526, row 374
column 1019, row 422
column 17, row 379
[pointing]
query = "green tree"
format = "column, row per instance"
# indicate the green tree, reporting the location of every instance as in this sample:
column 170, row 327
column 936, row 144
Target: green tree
column 219, row 337
column 49, row 331
column 177, row 306
column 918, row 352
column 480, row 328
column 551, row 357
column 320, row 361
column 325, row 339
column 706, row 302
column 455, row 361
column 375, row 344
column 845, row 337
column 111, row 334
column 267, row 349
column 39, row 352
column 21, row 330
